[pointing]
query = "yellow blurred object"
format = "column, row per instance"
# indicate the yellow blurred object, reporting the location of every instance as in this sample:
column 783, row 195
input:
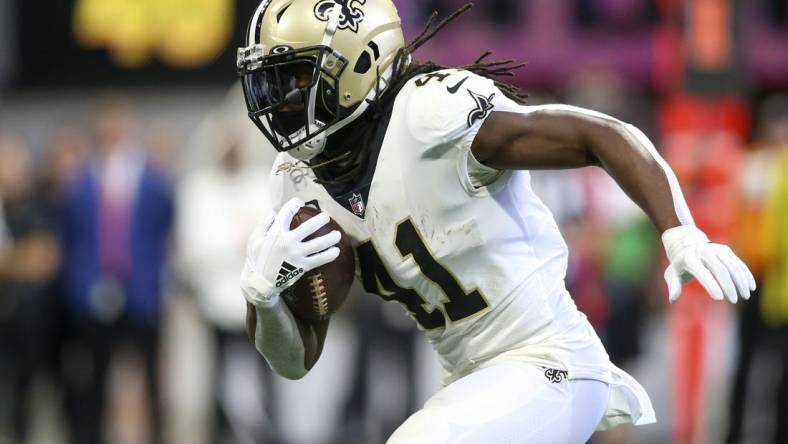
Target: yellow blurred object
column 774, row 304
column 182, row 33
column 751, row 236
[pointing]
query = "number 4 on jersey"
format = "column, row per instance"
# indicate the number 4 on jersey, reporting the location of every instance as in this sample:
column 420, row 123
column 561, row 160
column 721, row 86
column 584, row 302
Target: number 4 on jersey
column 376, row 279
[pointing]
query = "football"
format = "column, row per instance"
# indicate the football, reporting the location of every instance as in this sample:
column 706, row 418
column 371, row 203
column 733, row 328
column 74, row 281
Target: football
column 319, row 293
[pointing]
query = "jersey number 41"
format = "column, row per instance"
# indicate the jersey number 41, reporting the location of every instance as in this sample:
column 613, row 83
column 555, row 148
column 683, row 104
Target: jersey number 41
column 459, row 304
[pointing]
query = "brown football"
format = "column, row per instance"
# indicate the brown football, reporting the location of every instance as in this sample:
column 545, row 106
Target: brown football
column 319, row 293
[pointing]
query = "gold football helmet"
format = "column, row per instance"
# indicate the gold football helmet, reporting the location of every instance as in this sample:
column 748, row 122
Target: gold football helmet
column 310, row 67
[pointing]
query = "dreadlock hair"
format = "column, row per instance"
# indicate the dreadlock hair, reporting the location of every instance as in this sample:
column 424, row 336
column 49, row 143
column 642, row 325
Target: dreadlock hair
column 405, row 68
column 352, row 164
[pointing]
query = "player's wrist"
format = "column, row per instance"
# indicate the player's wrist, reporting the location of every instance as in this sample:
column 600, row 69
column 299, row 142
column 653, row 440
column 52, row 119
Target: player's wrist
column 678, row 239
column 258, row 291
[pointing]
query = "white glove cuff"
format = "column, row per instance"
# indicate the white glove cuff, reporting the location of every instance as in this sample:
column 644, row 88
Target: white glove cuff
column 257, row 290
column 676, row 240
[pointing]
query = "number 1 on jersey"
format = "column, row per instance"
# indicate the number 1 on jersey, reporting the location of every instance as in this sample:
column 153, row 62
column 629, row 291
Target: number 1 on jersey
column 376, row 279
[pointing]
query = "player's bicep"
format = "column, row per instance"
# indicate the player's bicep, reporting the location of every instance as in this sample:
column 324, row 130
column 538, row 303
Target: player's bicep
column 552, row 137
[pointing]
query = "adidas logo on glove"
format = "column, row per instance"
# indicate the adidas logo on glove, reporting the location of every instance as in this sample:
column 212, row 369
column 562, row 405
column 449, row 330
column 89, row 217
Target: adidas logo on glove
column 287, row 273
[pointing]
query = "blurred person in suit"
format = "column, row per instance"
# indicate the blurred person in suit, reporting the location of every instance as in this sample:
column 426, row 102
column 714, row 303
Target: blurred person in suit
column 64, row 161
column 218, row 205
column 763, row 214
column 29, row 257
column 115, row 224
column 162, row 145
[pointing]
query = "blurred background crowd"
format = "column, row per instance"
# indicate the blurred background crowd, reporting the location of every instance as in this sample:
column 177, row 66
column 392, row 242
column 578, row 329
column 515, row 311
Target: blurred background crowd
column 130, row 179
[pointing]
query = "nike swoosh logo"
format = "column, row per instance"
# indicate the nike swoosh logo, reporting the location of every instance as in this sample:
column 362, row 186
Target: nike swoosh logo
column 455, row 88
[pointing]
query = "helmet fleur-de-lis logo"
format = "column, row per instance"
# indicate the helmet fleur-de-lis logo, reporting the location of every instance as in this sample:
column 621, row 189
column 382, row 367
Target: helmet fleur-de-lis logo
column 350, row 13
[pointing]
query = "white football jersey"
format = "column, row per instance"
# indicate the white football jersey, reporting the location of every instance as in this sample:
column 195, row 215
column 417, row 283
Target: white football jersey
column 472, row 254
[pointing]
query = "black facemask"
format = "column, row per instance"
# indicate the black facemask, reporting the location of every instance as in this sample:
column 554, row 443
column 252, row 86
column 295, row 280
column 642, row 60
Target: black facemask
column 278, row 89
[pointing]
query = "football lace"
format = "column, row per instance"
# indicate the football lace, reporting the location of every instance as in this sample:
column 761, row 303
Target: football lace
column 319, row 299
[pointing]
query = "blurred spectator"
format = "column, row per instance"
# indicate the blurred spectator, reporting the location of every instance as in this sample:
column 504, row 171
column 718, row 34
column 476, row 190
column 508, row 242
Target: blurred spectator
column 386, row 335
column 630, row 258
column 66, row 157
column 707, row 163
column 583, row 274
column 218, row 207
column 115, row 223
column 162, row 147
column 763, row 323
column 624, row 247
column 774, row 305
column 29, row 258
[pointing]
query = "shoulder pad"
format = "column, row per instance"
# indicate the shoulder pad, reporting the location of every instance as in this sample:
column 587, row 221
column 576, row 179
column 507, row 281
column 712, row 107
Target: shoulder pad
column 444, row 105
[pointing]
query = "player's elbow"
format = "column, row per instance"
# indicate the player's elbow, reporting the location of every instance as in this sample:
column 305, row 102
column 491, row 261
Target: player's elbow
column 606, row 138
column 288, row 367
column 291, row 372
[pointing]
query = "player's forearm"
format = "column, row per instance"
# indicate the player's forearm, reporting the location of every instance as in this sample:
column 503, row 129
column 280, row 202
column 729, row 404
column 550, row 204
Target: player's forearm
column 630, row 158
column 633, row 162
column 277, row 337
column 562, row 136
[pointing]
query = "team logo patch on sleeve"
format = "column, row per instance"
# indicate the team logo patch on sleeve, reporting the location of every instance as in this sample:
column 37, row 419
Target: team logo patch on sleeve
column 483, row 107
column 350, row 16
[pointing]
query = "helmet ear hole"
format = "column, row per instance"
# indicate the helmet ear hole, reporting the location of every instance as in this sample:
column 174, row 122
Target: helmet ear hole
column 363, row 64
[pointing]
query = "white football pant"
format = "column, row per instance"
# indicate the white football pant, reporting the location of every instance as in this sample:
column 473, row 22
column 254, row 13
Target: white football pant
column 508, row 403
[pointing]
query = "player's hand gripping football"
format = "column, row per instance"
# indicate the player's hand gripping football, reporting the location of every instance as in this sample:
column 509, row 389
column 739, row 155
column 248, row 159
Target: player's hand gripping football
column 277, row 256
column 715, row 266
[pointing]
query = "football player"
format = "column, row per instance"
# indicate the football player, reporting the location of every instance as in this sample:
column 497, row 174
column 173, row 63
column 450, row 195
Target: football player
column 426, row 170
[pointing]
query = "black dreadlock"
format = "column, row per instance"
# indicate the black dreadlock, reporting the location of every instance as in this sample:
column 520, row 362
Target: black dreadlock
column 343, row 171
column 404, row 71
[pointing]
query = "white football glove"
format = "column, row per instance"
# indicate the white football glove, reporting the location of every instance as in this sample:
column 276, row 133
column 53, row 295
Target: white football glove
column 276, row 257
column 715, row 266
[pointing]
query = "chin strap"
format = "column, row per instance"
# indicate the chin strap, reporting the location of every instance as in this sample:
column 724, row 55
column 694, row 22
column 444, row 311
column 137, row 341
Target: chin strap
column 311, row 148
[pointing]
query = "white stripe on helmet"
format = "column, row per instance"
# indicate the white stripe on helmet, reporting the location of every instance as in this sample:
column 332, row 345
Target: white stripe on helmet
column 255, row 23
